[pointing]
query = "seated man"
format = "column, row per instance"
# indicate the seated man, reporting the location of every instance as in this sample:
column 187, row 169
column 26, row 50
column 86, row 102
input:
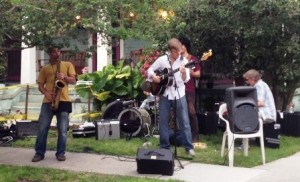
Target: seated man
column 265, row 100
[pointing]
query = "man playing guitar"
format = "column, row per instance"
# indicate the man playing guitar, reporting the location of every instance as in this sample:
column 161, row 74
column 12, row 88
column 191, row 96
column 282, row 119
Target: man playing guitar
column 173, row 94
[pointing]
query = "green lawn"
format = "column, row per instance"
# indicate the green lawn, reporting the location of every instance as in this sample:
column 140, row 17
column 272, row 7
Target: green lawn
column 123, row 147
column 211, row 155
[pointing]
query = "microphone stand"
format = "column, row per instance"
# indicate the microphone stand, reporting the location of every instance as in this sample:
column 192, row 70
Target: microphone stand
column 175, row 117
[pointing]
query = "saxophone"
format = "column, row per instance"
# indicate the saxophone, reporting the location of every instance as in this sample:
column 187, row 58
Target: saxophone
column 58, row 86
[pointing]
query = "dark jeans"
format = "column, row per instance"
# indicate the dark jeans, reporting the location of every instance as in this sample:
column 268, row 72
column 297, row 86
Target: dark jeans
column 45, row 119
column 182, row 117
column 190, row 98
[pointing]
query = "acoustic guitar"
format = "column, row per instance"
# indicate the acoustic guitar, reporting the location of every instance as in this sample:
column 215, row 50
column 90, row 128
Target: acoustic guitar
column 166, row 75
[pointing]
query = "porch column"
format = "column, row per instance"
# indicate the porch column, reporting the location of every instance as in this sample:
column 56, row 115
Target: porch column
column 122, row 49
column 90, row 59
column 103, row 57
column 28, row 66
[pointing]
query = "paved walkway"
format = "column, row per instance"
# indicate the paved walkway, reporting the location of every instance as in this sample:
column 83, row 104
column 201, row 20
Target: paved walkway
column 286, row 169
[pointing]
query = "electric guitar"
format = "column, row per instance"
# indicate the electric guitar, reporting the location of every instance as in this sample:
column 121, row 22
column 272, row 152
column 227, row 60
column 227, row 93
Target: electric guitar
column 166, row 75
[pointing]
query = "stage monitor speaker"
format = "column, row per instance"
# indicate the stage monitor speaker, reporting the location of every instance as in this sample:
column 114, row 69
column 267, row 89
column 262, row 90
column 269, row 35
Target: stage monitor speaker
column 242, row 109
column 155, row 161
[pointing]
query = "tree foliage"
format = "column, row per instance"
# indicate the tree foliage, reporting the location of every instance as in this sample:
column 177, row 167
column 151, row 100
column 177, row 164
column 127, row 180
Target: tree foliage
column 248, row 34
column 39, row 23
column 243, row 34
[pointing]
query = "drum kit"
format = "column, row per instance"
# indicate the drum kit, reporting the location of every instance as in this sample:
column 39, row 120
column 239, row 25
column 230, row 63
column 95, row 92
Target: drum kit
column 134, row 121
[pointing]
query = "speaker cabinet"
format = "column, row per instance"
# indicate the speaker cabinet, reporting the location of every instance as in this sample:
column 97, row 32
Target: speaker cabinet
column 242, row 109
column 272, row 135
column 155, row 161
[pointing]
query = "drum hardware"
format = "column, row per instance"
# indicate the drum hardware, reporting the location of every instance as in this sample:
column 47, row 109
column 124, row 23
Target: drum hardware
column 113, row 109
column 133, row 121
column 156, row 126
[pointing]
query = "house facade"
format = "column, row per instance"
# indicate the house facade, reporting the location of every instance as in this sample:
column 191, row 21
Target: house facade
column 24, row 66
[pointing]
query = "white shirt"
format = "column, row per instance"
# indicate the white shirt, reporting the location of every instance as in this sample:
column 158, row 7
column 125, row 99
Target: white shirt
column 264, row 94
column 163, row 62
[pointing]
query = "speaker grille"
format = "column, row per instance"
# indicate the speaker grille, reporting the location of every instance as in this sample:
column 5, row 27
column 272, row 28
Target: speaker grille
column 246, row 119
column 242, row 109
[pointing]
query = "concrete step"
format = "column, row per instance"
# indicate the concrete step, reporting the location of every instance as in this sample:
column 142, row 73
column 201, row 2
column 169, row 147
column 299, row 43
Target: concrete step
column 13, row 99
column 37, row 98
column 30, row 104
column 31, row 97
column 30, row 109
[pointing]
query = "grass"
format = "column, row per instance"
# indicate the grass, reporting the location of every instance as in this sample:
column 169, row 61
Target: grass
column 211, row 155
column 128, row 148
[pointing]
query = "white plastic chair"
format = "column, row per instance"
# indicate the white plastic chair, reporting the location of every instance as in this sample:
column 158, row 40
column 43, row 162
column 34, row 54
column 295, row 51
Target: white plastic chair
column 232, row 136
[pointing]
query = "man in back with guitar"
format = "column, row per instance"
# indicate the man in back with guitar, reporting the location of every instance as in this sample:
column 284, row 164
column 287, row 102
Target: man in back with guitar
column 170, row 86
column 190, row 86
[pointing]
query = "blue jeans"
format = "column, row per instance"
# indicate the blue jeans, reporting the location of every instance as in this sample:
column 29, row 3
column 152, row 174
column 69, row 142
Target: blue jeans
column 182, row 116
column 45, row 119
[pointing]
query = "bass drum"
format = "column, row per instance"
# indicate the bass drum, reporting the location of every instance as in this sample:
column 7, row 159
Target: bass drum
column 133, row 120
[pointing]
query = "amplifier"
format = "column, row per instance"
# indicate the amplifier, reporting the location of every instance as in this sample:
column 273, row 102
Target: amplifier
column 27, row 128
column 107, row 129
column 155, row 161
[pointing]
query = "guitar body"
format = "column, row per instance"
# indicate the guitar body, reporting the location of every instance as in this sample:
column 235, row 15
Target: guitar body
column 159, row 88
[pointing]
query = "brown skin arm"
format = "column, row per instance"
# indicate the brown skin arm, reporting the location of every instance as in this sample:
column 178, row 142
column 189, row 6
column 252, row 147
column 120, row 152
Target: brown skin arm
column 195, row 74
column 68, row 79
column 44, row 91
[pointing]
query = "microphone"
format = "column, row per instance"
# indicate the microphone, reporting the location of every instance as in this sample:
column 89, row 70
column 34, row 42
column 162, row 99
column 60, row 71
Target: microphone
column 126, row 103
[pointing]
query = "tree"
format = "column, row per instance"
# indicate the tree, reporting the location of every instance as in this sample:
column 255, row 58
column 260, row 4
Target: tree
column 248, row 34
column 39, row 23
column 26, row 23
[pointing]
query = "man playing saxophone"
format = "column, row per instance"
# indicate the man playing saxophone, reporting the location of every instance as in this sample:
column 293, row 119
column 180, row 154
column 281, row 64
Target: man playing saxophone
column 53, row 83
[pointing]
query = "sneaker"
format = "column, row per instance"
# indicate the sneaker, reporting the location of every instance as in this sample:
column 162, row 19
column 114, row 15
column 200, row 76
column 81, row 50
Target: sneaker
column 37, row 158
column 191, row 152
column 61, row 157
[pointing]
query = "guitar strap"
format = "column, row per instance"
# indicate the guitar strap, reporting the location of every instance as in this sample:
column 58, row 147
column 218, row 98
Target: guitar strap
column 174, row 80
column 171, row 68
column 170, row 64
